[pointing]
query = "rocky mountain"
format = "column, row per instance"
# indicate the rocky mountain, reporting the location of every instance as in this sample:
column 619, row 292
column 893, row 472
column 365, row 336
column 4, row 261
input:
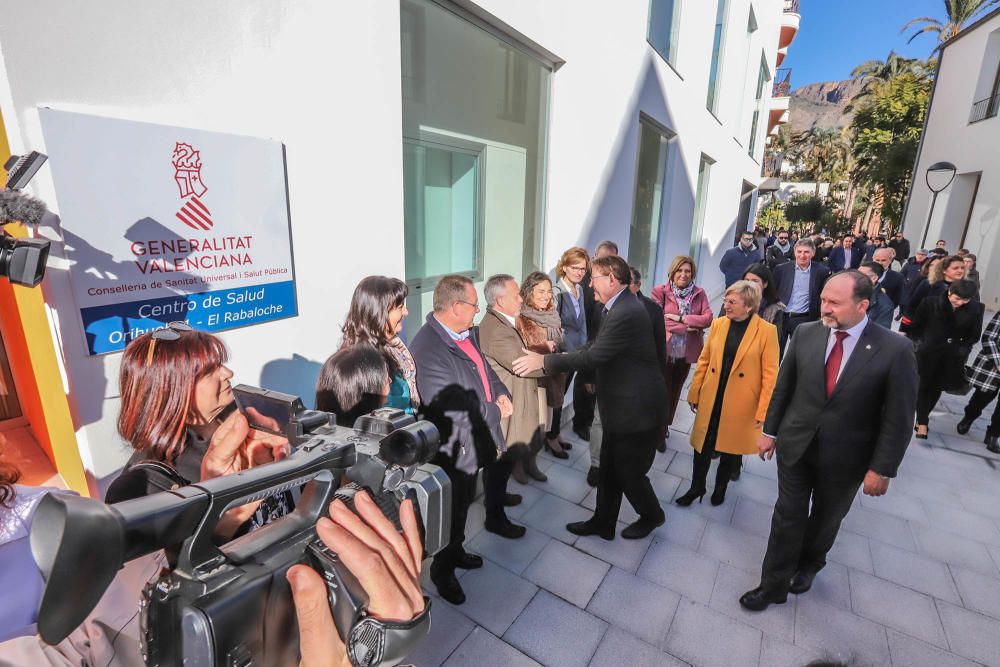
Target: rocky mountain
column 822, row 105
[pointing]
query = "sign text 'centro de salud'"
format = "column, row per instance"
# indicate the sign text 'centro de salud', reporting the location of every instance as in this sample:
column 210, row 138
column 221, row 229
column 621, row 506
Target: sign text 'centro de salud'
column 165, row 224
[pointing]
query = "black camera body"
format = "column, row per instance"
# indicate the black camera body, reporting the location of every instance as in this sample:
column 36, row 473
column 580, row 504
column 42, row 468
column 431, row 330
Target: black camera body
column 231, row 604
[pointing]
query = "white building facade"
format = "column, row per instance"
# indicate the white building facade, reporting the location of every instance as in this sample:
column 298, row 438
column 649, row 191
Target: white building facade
column 963, row 128
column 422, row 137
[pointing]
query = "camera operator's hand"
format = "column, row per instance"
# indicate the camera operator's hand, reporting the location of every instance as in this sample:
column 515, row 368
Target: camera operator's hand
column 236, row 447
column 385, row 562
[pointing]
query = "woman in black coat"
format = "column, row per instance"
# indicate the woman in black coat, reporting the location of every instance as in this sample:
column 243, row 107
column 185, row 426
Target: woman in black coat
column 945, row 327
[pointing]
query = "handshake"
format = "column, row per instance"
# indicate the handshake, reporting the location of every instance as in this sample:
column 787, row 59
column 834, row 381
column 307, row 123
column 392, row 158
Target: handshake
column 344, row 564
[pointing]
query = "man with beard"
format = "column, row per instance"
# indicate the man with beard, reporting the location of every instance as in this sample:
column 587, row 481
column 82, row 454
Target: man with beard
column 841, row 415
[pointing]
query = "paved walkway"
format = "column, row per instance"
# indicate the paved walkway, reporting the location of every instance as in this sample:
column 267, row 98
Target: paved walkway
column 914, row 578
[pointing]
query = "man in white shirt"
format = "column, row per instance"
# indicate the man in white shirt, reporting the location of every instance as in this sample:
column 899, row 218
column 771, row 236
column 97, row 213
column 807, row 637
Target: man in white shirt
column 841, row 415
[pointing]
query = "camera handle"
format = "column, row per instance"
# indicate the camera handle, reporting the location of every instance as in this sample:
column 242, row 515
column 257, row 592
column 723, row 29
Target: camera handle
column 200, row 555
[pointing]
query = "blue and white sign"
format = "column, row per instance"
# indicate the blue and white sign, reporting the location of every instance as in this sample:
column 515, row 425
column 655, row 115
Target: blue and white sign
column 164, row 224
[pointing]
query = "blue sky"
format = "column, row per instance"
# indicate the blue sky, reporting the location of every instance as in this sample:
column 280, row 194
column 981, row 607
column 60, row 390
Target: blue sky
column 837, row 35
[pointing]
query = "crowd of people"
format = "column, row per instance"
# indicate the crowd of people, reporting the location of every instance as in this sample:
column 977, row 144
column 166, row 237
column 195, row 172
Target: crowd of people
column 800, row 319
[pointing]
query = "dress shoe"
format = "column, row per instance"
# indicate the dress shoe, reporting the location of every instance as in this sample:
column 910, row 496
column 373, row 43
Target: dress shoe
column 693, row 494
column 469, row 561
column 583, row 432
column 512, row 499
column 448, row 587
column 565, row 444
column 963, row 426
column 802, row 582
column 661, row 446
column 511, row 531
column 593, row 475
column 552, row 444
column 584, row 528
column 922, row 431
column 642, row 528
column 992, row 444
column 760, row 599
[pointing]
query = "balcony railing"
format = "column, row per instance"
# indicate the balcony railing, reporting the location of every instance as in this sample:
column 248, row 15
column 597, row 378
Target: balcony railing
column 792, row 7
column 984, row 109
column 782, row 82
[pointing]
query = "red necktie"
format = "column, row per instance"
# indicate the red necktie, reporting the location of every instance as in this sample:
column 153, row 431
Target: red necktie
column 833, row 362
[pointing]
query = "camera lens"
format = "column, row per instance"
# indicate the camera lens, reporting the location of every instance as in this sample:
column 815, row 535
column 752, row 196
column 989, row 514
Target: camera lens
column 409, row 445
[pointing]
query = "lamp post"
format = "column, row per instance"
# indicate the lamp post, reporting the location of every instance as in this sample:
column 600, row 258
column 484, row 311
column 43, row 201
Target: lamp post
column 944, row 169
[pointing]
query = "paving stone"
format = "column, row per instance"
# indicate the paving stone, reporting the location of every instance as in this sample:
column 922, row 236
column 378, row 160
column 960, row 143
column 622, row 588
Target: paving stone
column 914, row 571
column 683, row 527
column 564, row 482
column 718, row 513
column 703, row 636
column 983, row 504
column 449, row 628
column 897, row 503
column 840, row 633
column 832, row 586
column 979, row 592
column 686, row 572
column 778, row 620
column 681, row 465
column 970, row 634
column 954, row 550
column 551, row 514
column 635, row 605
column 482, row 649
column 962, row 522
column 762, row 489
column 752, row 516
column 554, row 632
column 665, row 485
column 896, row 607
column 494, row 597
column 852, row 550
column 514, row 555
column 879, row 526
column 911, row 652
column 766, row 469
column 618, row 648
column 777, row 653
column 733, row 546
column 570, row 574
column 625, row 554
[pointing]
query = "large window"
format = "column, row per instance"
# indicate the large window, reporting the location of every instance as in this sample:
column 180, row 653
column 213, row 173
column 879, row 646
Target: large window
column 717, row 49
column 763, row 77
column 650, row 193
column 662, row 32
column 740, row 108
column 700, row 202
column 475, row 107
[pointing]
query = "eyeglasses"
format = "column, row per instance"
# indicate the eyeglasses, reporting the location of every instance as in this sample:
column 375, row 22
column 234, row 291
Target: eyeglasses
column 577, row 269
column 595, row 276
column 468, row 303
column 171, row 332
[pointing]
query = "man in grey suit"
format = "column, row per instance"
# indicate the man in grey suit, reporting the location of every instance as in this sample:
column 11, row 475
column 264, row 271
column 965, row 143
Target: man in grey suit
column 841, row 415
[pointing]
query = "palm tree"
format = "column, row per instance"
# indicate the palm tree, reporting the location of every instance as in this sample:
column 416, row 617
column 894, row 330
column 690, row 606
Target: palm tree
column 822, row 152
column 960, row 14
column 874, row 72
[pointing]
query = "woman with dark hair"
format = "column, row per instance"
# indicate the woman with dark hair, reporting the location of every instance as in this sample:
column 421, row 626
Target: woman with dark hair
column 178, row 414
column 353, row 382
column 929, row 275
column 945, row 328
column 376, row 314
column 771, row 308
column 541, row 328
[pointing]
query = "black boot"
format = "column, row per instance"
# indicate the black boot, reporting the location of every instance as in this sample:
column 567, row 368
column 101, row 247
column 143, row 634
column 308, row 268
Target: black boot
column 963, row 426
column 698, row 477
column 723, row 475
column 993, row 442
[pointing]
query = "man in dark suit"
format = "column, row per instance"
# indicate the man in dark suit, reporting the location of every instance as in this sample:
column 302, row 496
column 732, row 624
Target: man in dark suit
column 447, row 353
column 847, row 256
column 631, row 398
column 583, row 385
column 841, row 416
column 901, row 246
column 891, row 281
column 799, row 284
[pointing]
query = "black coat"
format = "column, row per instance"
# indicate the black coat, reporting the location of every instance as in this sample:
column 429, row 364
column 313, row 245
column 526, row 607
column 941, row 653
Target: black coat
column 944, row 338
column 902, row 248
column 893, row 284
column 632, row 394
column 784, row 279
column 866, row 423
column 655, row 312
column 440, row 364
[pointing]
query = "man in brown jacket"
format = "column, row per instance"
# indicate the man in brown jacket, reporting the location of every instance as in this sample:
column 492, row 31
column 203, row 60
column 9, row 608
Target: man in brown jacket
column 502, row 344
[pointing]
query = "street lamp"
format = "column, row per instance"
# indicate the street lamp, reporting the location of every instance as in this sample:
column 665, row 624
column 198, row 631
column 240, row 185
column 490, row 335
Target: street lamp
column 941, row 171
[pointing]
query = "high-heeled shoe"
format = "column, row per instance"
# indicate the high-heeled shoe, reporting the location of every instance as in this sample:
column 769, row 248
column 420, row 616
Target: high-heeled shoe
column 922, row 436
column 692, row 495
column 552, row 444
column 718, row 495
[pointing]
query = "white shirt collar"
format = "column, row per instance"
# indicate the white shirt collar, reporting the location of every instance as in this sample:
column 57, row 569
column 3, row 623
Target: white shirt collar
column 457, row 337
column 513, row 321
column 612, row 300
column 855, row 331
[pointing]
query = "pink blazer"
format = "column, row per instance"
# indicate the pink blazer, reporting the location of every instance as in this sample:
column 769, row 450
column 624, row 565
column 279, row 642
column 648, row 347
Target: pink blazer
column 699, row 318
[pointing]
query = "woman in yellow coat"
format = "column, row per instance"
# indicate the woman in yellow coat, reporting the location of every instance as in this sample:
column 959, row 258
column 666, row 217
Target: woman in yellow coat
column 731, row 389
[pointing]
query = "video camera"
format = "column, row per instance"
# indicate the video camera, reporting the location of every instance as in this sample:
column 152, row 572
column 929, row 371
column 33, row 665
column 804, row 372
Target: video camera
column 231, row 604
column 22, row 260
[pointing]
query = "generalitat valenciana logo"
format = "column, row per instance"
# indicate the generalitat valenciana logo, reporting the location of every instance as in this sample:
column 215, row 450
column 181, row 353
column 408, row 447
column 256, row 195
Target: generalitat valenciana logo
column 187, row 174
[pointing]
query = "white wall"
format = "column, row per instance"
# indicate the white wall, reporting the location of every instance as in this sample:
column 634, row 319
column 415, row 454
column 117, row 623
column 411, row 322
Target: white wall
column 972, row 148
column 324, row 78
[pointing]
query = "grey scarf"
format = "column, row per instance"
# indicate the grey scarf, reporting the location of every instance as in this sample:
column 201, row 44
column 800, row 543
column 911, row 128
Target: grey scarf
column 547, row 319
